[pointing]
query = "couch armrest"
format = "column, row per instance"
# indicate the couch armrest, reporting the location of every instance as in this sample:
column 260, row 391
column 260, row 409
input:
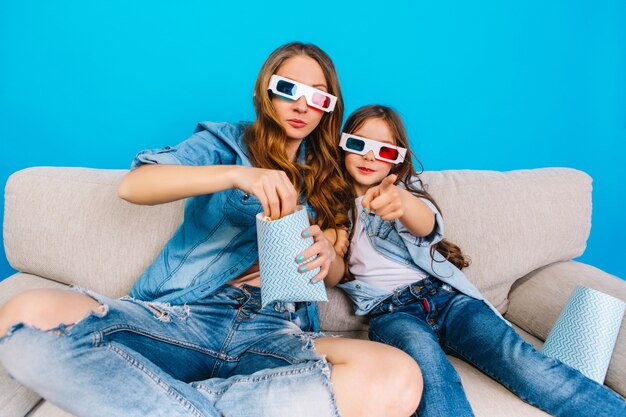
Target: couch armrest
column 536, row 300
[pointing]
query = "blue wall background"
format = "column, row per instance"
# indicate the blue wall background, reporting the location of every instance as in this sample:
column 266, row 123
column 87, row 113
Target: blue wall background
column 482, row 85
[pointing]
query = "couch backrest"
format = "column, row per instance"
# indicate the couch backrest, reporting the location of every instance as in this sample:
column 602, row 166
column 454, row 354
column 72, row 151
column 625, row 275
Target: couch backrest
column 68, row 224
column 511, row 223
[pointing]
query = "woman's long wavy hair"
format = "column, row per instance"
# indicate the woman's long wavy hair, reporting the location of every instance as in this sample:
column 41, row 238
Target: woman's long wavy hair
column 405, row 171
column 319, row 180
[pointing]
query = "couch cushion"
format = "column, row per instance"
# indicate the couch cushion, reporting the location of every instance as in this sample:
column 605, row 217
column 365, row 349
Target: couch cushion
column 336, row 315
column 69, row 225
column 15, row 399
column 511, row 223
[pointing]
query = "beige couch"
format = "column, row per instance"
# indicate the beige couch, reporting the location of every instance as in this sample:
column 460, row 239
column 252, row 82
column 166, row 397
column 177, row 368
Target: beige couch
column 521, row 229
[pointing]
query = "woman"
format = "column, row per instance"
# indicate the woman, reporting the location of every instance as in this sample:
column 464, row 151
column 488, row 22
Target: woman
column 194, row 325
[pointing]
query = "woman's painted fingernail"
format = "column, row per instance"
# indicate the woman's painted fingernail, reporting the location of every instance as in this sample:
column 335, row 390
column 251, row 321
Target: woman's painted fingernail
column 314, row 281
column 306, row 233
column 300, row 259
column 303, row 268
column 365, row 210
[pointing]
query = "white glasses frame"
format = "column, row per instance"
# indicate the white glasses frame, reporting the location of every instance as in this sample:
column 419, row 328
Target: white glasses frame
column 302, row 90
column 374, row 146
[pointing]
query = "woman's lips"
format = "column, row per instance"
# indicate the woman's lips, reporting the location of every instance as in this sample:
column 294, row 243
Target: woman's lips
column 297, row 123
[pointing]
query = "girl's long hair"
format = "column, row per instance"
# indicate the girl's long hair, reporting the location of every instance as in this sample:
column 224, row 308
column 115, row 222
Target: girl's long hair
column 320, row 180
column 405, row 171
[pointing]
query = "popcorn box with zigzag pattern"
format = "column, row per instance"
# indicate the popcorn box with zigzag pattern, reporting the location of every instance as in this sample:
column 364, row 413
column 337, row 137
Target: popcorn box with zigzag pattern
column 585, row 333
column 280, row 242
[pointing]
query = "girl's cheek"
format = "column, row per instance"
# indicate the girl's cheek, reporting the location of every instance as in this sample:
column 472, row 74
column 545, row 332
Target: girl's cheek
column 384, row 165
column 347, row 160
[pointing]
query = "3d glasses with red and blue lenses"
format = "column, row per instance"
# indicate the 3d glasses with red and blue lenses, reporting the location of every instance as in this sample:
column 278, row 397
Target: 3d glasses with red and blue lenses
column 293, row 90
column 382, row 151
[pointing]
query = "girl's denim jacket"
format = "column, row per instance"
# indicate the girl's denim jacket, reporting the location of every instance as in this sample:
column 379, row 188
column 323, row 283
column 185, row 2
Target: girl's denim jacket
column 394, row 241
column 217, row 240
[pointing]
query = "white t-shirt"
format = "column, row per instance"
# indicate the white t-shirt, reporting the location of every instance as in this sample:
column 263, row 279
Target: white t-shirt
column 373, row 268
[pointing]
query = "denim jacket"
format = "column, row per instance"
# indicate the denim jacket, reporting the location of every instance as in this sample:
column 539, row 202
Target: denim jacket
column 217, row 240
column 394, row 241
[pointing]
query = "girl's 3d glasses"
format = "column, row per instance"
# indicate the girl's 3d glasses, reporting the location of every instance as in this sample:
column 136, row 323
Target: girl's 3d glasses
column 293, row 90
column 382, row 151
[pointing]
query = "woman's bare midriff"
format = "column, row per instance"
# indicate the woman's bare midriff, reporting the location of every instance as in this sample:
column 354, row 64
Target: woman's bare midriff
column 251, row 276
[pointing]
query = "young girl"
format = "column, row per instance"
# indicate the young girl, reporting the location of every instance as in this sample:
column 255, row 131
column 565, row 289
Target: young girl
column 409, row 281
column 194, row 326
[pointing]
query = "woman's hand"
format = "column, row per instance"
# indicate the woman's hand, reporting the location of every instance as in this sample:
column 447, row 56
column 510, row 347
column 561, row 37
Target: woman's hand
column 386, row 199
column 272, row 187
column 322, row 247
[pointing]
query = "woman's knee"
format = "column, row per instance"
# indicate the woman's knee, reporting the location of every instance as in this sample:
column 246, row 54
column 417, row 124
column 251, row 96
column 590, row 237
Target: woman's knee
column 371, row 378
column 397, row 381
column 45, row 309
column 401, row 382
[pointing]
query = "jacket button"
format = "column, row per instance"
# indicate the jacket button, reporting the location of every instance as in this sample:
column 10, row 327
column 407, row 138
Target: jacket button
column 167, row 148
column 246, row 196
column 358, row 287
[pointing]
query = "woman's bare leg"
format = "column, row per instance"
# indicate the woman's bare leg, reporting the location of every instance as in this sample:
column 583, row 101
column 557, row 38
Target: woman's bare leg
column 371, row 379
column 45, row 309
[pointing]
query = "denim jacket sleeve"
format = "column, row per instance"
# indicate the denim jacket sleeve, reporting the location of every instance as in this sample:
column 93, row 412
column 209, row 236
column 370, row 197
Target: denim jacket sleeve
column 211, row 144
column 434, row 237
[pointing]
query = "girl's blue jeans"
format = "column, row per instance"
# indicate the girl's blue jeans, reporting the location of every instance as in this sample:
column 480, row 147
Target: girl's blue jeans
column 429, row 319
column 221, row 356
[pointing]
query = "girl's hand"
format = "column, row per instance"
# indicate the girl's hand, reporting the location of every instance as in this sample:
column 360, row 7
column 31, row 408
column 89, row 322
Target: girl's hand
column 271, row 186
column 341, row 245
column 339, row 239
column 322, row 247
column 386, row 199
